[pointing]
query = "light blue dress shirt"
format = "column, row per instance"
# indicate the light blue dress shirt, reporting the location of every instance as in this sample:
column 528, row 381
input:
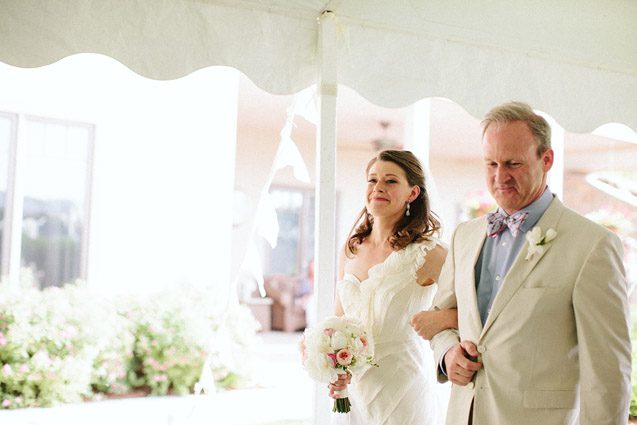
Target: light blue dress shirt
column 499, row 253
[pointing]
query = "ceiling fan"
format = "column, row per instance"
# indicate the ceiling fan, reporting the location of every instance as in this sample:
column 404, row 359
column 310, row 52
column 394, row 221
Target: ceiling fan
column 384, row 141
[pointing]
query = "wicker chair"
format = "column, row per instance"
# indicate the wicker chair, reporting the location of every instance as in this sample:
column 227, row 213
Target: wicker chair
column 288, row 314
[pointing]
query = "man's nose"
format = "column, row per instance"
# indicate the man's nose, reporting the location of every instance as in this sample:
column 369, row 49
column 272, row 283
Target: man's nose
column 501, row 175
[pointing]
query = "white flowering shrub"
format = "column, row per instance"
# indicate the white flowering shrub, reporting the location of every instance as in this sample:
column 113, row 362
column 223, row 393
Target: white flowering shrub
column 69, row 344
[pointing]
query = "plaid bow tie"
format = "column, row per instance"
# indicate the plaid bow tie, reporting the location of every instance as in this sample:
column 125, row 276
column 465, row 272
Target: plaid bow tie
column 498, row 221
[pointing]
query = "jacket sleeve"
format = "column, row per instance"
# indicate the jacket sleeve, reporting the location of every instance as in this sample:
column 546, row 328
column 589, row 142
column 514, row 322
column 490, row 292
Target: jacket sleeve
column 445, row 299
column 600, row 303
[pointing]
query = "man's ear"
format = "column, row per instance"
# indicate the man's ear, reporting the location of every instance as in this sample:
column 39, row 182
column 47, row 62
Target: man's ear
column 547, row 160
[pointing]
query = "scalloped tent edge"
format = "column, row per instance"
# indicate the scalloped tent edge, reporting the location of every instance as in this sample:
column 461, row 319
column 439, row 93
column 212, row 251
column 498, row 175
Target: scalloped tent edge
column 575, row 62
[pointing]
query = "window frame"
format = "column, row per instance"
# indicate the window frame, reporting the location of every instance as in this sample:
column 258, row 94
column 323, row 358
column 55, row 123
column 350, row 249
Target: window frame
column 10, row 263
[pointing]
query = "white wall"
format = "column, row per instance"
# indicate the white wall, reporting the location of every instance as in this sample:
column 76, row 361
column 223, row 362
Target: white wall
column 163, row 176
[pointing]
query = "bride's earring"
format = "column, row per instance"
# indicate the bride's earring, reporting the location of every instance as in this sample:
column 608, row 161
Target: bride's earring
column 407, row 213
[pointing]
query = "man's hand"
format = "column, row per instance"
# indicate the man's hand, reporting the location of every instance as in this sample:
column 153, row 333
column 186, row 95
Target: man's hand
column 428, row 323
column 459, row 364
column 339, row 385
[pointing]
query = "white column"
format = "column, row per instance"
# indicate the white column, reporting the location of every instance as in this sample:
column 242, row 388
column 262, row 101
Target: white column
column 417, row 129
column 12, row 240
column 325, row 204
column 556, row 175
column 418, row 140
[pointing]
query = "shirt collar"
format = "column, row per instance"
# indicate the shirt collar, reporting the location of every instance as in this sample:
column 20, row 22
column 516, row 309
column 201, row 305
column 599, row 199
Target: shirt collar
column 535, row 210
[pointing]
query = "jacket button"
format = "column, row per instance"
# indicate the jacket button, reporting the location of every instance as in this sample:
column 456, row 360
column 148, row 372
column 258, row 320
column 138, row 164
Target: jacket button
column 470, row 385
column 482, row 349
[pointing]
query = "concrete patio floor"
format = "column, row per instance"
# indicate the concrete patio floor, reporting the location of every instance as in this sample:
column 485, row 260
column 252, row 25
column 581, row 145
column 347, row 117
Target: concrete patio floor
column 282, row 396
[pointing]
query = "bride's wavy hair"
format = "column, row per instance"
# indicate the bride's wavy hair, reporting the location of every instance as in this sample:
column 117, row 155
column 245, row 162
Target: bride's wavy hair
column 421, row 223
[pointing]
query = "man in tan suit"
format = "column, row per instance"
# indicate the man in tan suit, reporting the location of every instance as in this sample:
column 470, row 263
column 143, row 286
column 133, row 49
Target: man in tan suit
column 543, row 322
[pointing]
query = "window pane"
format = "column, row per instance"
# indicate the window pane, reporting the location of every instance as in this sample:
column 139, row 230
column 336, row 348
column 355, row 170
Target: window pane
column 285, row 256
column 55, row 183
column 5, row 142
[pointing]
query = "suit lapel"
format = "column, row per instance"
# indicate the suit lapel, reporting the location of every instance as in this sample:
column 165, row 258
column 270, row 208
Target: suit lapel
column 521, row 267
column 469, row 254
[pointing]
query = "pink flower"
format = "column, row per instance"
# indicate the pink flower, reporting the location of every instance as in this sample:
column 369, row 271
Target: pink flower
column 328, row 331
column 344, row 357
column 363, row 340
column 3, row 339
column 6, row 369
column 332, row 357
column 161, row 378
column 24, row 368
column 6, row 403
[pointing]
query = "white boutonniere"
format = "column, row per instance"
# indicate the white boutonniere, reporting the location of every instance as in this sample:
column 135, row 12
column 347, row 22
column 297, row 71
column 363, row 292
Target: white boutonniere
column 537, row 241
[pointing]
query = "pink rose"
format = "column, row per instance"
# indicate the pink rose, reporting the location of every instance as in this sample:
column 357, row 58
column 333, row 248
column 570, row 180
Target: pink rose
column 332, row 357
column 344, row 357
column 328, row 331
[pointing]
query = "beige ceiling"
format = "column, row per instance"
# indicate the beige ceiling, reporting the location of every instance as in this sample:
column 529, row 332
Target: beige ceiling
column 455, row 134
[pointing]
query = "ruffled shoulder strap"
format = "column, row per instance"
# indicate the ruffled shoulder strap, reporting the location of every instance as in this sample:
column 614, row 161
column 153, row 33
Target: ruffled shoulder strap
column 420, row 252
column 409, row 258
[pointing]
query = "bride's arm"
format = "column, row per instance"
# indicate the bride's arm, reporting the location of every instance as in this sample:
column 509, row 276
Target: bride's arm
column 430, row 271
column 429, row 323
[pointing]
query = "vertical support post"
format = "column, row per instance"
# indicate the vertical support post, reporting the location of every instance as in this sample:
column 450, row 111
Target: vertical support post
column 556, row 175
column 325, row 205
column 12, row 239
column 418, row 141
column 417, row 130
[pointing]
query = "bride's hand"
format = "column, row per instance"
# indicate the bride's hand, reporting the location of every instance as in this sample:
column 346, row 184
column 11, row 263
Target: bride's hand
column 429, row 323
column 339, row 385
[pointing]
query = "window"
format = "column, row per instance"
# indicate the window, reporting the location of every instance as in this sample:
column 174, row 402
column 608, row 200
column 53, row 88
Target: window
column 295, row 244
column 51, row 205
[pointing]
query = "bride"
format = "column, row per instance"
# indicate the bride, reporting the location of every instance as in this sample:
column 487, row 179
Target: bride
column 386, row 274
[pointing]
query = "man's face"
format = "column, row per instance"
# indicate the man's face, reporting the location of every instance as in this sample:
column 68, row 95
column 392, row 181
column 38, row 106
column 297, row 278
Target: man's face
column 516, row 176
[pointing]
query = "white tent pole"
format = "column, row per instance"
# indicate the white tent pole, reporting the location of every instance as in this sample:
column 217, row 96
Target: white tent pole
column 417, row 130
column 418, row 140
column 325, row 203
column 556, row 175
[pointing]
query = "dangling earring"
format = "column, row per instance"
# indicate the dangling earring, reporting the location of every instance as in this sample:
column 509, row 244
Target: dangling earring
column 407, row 213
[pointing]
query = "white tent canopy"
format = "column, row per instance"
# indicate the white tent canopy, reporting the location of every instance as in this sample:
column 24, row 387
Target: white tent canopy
column 575, row 60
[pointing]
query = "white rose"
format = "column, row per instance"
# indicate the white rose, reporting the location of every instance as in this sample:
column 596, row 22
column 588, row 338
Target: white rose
column 320, row 368
column 550, row 235
column 339, row 340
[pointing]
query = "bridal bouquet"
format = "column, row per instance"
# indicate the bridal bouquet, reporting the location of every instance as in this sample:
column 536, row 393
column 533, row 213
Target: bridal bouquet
column 335, row 347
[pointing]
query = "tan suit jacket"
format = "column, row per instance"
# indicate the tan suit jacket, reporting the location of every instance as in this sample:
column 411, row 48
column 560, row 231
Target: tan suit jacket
column 555, row 347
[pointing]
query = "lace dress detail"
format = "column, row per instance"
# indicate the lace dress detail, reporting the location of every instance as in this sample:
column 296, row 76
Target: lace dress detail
column 401, row 390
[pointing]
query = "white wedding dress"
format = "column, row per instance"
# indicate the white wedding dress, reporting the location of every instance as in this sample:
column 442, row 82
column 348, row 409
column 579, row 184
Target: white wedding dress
column 402, row 390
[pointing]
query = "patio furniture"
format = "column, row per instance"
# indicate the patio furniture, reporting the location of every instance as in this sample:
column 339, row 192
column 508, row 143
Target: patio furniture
column 288, row 310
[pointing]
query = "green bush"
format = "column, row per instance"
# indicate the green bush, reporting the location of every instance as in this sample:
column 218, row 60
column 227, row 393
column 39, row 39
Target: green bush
column 46, row 348
column 69, row 344
column 172, row 335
